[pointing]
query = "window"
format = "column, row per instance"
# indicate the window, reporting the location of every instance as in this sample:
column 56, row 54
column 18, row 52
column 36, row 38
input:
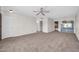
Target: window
column 67, row 25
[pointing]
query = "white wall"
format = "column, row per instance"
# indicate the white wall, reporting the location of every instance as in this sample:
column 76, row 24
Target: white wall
column 15, row 25
column 77, row 26
column 0, row 9
column 45, row 25
column 51, row 25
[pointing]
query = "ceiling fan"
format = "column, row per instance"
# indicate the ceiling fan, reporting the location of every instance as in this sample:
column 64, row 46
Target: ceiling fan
column 42, row 11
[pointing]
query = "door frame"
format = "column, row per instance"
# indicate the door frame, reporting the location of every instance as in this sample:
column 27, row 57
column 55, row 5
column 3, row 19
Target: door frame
column 56, row 25
column 41, row 26
column 0, row 26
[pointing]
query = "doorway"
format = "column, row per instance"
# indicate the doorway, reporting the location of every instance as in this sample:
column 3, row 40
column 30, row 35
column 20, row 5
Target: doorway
column 0, row 25
column 56, row 25
column 41, row 26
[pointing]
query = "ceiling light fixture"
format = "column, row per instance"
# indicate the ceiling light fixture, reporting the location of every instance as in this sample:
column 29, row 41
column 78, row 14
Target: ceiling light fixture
column 41, row 11
column 10, row 11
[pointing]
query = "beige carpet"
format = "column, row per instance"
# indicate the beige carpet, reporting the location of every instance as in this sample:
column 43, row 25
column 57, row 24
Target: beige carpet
column 41, row 42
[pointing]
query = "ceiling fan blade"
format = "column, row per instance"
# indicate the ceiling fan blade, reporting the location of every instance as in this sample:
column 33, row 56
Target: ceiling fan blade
column 42, row 13
column 46, row 11
column 38, row 13
column 34, row 11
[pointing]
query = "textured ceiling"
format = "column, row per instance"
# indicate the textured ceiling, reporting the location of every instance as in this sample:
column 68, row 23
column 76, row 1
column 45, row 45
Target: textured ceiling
column 55, row 11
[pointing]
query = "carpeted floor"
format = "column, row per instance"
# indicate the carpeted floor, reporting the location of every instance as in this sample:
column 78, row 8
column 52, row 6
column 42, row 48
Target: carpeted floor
column 41, row 42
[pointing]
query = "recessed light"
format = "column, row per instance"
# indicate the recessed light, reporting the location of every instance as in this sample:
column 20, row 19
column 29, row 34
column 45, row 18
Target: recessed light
column 10, row 11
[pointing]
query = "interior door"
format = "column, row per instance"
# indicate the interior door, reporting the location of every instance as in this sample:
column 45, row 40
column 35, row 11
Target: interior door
column 0, row 25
